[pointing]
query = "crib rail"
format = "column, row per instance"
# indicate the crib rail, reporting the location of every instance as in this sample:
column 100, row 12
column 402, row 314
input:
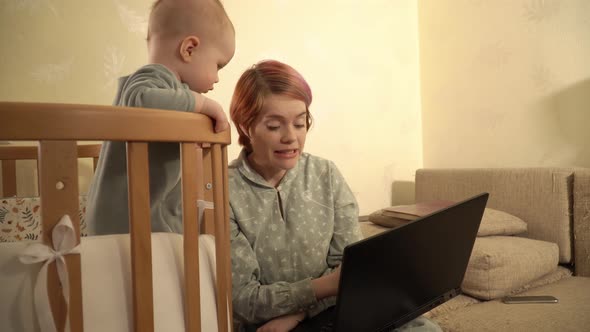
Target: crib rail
column 58, row 127
column 39, row 121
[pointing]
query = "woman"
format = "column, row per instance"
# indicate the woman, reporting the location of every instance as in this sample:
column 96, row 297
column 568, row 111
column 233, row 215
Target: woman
column 291, row 213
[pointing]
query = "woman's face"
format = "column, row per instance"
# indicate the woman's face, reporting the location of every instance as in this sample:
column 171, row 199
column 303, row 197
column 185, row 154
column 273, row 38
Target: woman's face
column 278, row 136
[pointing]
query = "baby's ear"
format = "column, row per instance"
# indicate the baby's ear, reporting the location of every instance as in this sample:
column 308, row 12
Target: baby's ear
column 188, row 46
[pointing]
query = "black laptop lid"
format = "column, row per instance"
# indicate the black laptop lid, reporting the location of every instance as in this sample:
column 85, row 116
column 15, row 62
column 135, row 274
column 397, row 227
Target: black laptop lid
column 393, row 277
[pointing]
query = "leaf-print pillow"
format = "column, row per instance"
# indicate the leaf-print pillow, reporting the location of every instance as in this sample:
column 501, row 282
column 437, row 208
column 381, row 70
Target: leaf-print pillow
column 20, row 218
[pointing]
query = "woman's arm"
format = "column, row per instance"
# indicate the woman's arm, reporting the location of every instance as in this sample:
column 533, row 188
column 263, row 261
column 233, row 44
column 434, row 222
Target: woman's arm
column 256, row 303
column 346, row 231
column 326, row 285
column 346, row 226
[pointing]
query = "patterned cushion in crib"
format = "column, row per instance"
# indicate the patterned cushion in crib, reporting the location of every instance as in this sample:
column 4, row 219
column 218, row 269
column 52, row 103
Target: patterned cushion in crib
column 20, row 218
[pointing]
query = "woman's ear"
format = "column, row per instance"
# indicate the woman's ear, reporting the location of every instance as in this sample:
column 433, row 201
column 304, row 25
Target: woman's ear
column 188, row 47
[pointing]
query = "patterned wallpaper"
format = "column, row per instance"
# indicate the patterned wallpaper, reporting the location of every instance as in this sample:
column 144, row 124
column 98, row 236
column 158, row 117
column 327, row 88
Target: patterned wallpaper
column 495, row 83
column 360, row 58
column 505, row 82
column 69, row 51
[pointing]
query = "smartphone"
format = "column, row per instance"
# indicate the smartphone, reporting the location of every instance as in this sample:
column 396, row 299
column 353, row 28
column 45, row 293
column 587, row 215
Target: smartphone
column 530, row 299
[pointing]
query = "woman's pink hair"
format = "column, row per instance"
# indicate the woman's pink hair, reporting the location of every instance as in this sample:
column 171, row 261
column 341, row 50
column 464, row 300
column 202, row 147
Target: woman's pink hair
column 267, row 77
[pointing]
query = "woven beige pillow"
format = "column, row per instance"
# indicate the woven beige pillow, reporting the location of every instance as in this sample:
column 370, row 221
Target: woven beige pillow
column 493, row 222
column 501, row 264
column 496, row 222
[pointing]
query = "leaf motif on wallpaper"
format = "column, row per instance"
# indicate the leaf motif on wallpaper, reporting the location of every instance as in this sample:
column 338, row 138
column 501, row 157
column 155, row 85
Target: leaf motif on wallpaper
column 494, row 55
column 114, row 59
column 493, row 119
column 542, row 78
column 477, row 2
column 52, row 72
column 31, row 5
column 135, row 22
column 537, row 11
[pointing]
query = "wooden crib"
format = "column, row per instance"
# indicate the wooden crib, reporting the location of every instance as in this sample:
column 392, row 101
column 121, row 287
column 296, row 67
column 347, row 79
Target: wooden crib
column 58, row 128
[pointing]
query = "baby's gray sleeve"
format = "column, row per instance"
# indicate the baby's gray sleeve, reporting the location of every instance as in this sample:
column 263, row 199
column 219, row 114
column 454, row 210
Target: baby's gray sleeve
column 148, row 91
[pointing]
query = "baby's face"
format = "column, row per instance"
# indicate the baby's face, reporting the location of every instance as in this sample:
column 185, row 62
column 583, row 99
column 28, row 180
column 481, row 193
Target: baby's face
column 208, row 60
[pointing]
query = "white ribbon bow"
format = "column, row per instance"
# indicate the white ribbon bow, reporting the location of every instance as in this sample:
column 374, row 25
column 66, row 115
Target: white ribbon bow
column 64, row 240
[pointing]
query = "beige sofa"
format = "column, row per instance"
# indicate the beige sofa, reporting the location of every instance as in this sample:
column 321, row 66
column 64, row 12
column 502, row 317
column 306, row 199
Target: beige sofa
column 551, row 258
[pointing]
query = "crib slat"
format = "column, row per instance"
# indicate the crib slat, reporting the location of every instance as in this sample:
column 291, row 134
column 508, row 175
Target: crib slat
column 140, row 229
column 191, row 160
column 58, row 187
column 220, row 248
column 226, row 241
column 8, row 178
column 208, row 226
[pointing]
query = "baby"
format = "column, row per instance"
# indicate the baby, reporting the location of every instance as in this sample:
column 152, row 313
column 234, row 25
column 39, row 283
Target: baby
column 189, row 41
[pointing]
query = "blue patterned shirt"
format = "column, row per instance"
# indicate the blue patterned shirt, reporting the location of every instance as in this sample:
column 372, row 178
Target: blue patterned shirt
column 283, row 237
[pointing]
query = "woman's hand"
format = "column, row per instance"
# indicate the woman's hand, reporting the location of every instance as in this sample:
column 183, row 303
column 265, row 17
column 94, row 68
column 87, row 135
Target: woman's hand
column 327, row 285
column 282, row 324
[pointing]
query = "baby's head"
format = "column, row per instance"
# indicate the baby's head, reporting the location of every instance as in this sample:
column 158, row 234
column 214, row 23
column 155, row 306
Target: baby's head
column 193, row 38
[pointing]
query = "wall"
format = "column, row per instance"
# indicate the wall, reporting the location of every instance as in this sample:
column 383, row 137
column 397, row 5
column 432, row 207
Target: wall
column 505, row 82
column 360, row 58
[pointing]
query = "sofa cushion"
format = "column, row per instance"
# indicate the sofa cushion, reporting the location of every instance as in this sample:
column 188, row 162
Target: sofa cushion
column 540, row 196
column 493, row 222
column 501, row 264
column 458, row 302
column 496, row 222
column 369, row 229
column 570, row 314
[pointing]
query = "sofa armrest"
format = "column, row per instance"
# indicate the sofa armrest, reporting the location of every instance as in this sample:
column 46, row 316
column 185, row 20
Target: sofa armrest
column 581, row 227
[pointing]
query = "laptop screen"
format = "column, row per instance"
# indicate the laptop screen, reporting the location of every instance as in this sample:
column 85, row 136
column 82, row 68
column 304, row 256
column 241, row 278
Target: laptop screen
column 393, row 277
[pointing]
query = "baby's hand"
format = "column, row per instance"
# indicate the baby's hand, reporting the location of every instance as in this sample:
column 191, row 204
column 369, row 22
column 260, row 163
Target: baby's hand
column 212, row 109
column 215, row 111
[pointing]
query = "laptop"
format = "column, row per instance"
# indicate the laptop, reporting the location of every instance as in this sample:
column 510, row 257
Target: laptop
column 393, row 277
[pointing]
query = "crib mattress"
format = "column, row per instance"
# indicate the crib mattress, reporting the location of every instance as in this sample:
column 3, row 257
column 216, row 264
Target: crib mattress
column 106, row 284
